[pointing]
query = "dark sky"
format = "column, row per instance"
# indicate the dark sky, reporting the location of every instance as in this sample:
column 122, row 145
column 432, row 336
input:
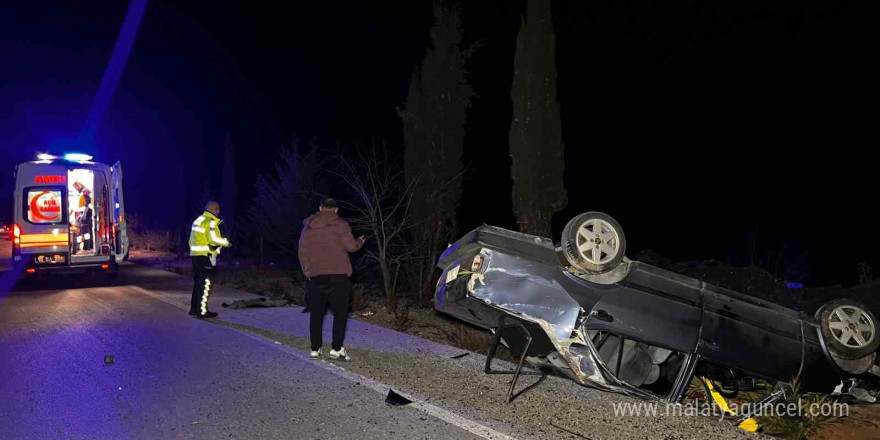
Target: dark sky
column 691, row 123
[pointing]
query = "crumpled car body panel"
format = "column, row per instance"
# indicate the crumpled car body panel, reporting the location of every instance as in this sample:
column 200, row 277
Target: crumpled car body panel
column 655, row 318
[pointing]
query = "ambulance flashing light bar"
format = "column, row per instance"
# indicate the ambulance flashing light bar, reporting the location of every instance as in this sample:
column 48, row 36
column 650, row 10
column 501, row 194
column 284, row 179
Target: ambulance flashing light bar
column 73, row 157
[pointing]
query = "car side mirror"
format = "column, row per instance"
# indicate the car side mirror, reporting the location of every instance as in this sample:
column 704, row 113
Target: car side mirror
column 602, row 316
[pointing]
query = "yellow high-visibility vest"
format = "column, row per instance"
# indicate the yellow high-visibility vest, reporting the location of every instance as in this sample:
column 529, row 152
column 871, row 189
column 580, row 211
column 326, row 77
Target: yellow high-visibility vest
column 205, row 238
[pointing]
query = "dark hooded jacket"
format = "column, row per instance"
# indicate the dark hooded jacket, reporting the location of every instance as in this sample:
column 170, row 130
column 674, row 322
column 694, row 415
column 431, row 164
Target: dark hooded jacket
column 324, row 245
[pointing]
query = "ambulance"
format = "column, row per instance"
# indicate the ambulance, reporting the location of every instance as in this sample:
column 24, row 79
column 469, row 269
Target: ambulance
column 69, row 216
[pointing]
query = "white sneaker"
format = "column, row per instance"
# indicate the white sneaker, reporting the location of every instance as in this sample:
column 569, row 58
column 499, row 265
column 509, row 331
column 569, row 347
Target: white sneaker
column 339, row 355
column 315, row 353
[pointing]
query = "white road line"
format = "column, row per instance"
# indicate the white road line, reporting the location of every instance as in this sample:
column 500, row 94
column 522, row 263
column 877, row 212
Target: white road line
column 432, row 410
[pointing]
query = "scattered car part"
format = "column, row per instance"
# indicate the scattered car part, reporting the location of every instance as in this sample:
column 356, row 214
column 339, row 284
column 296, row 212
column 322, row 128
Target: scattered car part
column 395, row 399
column 513, row 330
column 747, row 424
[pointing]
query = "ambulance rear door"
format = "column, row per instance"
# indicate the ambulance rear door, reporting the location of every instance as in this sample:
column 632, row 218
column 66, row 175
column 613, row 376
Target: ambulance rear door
column 119, row 212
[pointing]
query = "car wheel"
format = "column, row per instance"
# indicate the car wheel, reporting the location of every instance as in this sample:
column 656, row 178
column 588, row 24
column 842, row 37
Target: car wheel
column 849, row 329
column 593, row 242
column 854, row 366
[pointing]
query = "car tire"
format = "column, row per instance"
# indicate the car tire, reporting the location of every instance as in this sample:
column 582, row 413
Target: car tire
column 854, row 366
column 593, row 242
column 848, row 328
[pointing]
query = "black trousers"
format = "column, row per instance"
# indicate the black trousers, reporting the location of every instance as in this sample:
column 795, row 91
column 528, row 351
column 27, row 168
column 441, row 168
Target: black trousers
column 203, row 276
column 334, row 290
column 86, row 231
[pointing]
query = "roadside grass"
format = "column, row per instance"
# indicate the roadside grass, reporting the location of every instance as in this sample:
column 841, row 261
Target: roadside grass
column 803, row 425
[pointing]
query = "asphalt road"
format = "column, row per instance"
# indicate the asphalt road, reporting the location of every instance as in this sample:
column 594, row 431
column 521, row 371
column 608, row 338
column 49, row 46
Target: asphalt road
column 170, row 377
column 82, row 357
column 5, row 251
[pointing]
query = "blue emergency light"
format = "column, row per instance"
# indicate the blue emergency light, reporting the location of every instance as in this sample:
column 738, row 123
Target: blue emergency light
column 73, row 157
column 77, row 157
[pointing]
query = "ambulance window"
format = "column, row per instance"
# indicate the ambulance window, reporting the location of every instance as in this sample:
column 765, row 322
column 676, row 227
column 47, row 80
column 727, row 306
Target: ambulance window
column 45, row 205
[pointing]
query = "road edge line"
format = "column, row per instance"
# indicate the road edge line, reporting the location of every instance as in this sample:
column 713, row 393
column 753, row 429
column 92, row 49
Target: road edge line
column 379, row 387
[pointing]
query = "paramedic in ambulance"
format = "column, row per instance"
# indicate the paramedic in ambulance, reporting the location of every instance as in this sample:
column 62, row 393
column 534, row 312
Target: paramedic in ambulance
column 84, row 215
column 205, row 243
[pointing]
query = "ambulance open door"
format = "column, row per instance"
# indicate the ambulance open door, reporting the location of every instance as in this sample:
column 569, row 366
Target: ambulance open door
column 119, row 213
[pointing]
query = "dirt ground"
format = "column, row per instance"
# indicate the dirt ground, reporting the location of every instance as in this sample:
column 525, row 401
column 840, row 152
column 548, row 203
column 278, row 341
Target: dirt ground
column 863, row 422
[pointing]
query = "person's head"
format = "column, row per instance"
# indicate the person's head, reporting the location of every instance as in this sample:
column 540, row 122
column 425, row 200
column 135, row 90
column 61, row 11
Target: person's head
column 328, row 204
column 78, row 186
column 213, row 207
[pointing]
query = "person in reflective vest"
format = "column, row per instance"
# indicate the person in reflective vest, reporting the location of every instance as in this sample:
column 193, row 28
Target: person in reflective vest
column 205, row 243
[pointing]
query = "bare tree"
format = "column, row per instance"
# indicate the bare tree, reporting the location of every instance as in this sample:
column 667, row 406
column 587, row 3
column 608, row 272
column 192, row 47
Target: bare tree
column 381, row 201
column 536, row 130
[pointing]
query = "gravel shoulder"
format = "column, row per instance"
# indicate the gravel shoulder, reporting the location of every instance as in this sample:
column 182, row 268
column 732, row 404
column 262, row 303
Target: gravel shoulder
column 557, row 409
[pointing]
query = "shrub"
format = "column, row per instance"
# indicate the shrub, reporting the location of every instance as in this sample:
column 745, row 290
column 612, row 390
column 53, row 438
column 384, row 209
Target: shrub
column 799, row 426
column 358, row 302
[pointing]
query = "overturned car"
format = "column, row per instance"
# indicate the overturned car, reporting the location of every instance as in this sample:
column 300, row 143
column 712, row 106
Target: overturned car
column 581, row 308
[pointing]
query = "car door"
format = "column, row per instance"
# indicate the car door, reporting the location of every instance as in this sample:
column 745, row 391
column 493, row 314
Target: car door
column 653, row 306
column 750, row 334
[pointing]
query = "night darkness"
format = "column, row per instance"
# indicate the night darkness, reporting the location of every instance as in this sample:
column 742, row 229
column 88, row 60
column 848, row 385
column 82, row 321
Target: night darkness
column 693, row 124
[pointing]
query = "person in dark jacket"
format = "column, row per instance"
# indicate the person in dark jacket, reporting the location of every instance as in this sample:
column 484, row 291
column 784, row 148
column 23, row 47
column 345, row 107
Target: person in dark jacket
column 324, row 245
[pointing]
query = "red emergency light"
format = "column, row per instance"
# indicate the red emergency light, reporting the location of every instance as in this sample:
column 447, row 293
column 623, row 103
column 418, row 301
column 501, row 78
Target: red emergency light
column 50, row 179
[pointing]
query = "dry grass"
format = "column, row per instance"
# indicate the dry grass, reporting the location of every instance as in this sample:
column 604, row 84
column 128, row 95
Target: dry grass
column 795, row 427
column 402, row 318
column 802, row 425
column 358, row 301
